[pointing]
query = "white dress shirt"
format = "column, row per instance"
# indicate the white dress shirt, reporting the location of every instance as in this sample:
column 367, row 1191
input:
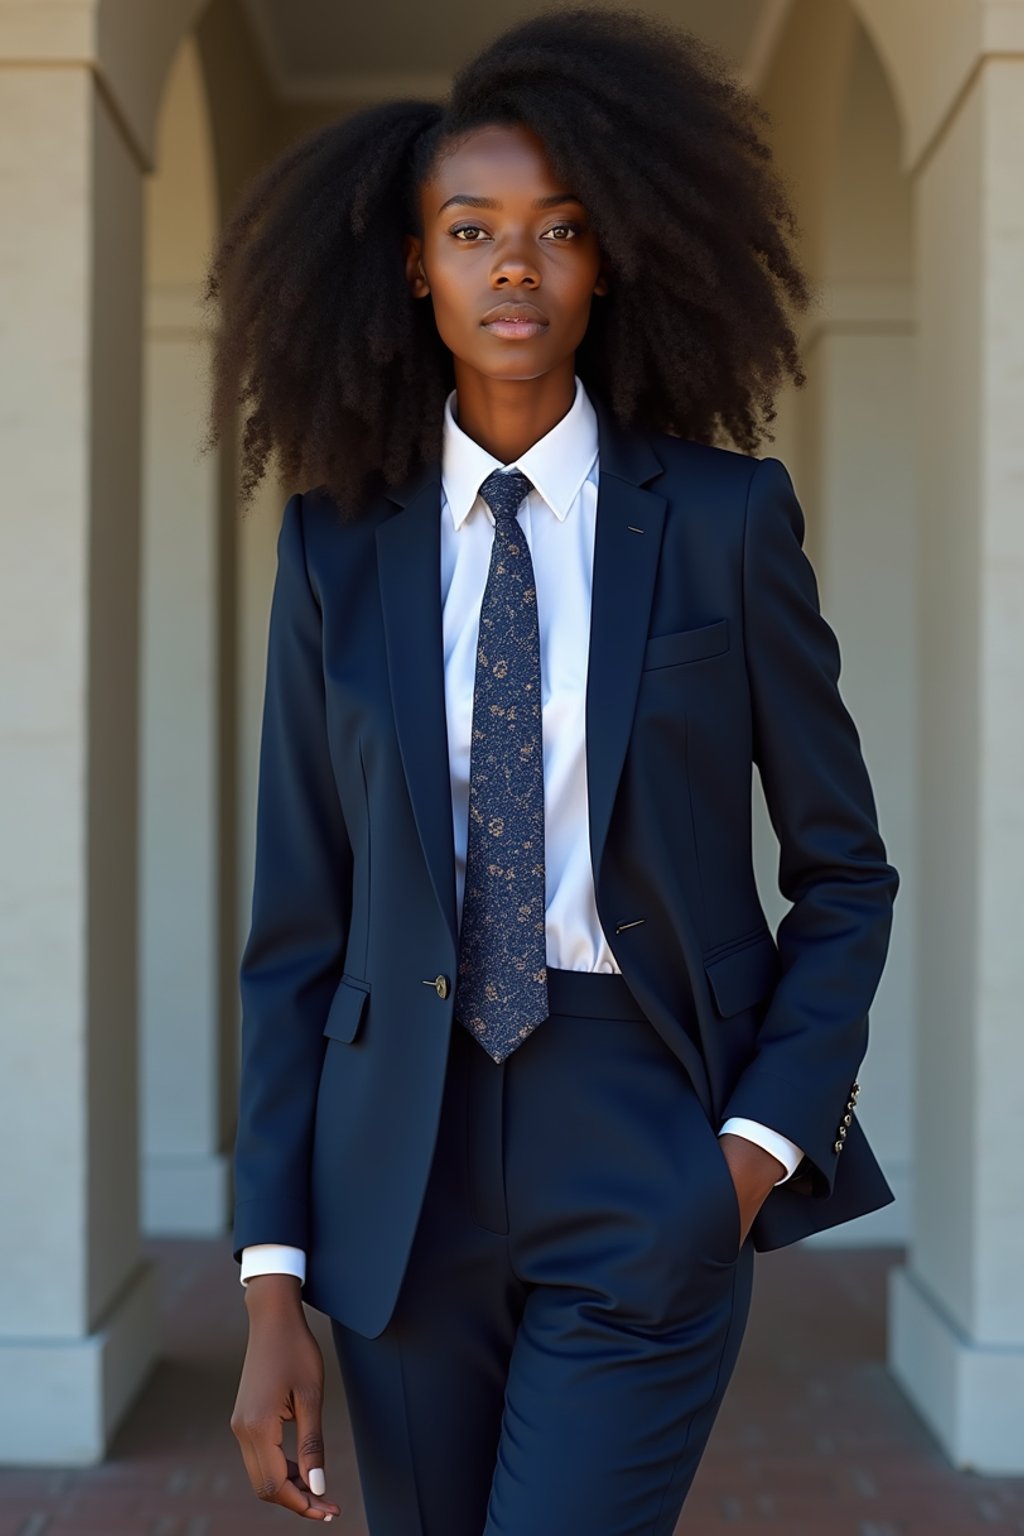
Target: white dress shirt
column 559, row 520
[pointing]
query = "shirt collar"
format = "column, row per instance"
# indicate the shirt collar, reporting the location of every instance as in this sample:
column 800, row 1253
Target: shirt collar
column 557, row 463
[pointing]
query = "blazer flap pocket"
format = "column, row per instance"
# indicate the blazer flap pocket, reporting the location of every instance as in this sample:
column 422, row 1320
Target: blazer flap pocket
column 346, row 1010
column 743, row 976
column 687, row 644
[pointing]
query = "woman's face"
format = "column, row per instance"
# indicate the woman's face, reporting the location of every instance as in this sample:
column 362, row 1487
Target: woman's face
column 500, row 228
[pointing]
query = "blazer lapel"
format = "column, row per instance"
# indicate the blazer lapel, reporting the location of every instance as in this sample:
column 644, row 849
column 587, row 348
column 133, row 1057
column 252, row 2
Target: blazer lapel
column 630, row 521
column 627, row 544
column 409, row 573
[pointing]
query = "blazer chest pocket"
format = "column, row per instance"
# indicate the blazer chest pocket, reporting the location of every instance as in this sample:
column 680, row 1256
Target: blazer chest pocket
column 686, row 645
column 744, row 975
column 346, row 1011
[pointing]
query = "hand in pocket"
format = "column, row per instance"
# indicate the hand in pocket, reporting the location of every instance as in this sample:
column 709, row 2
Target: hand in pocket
column 754, row 1172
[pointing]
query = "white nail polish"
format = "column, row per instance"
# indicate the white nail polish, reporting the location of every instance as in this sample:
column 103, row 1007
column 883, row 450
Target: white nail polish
column 317, row 1482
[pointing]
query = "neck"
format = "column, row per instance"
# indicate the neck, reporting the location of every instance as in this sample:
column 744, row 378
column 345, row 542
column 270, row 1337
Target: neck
column 507, row 416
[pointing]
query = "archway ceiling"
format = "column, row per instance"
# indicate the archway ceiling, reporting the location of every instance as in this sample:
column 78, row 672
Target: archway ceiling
column 323, row 50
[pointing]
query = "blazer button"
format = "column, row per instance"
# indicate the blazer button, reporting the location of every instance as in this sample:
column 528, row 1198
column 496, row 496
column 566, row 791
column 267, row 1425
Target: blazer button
column 838, row 1147
column 442, row 984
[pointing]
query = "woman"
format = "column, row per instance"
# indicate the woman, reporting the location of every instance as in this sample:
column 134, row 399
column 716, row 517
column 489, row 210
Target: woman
column 526, row 1077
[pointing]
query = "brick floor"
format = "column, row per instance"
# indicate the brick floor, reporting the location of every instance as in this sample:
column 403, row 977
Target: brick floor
column 814, row 1438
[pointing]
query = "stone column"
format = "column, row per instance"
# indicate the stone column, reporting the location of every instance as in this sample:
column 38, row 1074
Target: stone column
column 857, row 466
column 957, row 1319
column 77, row 1298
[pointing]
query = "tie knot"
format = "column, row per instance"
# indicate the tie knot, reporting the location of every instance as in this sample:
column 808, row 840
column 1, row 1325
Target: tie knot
column 503, row 490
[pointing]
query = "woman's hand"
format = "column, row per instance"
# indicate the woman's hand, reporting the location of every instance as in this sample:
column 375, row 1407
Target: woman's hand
column 282, row 1378
column 755, row 1173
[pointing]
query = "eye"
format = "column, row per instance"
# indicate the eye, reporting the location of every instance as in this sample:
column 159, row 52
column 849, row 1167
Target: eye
column 475, row 229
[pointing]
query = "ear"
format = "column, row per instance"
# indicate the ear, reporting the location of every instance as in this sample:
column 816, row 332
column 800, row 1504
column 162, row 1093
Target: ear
column 414, row 273
column 602, row 281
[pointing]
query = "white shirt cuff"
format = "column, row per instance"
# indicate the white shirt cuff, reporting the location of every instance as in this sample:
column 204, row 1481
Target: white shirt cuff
column 272, row 1259
column 787, row 1152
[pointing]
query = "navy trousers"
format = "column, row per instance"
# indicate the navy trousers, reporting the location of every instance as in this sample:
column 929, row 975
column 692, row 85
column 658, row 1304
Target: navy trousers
column 575, row 1297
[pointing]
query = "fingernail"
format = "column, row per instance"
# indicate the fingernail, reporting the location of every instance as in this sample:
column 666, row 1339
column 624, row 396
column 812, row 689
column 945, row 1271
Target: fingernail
column 328, row 1517
column 317, row 1483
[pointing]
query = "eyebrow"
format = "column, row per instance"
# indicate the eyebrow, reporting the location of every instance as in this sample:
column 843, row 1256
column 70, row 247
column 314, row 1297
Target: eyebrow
column 470, row 201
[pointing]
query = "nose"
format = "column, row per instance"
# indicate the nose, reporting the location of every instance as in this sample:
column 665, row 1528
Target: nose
column 515, row 265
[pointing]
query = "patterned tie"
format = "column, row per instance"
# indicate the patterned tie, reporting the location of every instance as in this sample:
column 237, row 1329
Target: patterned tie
column 502, row 982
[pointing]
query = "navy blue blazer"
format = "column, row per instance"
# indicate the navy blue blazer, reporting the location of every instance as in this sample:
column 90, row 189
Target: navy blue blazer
column 708, row 654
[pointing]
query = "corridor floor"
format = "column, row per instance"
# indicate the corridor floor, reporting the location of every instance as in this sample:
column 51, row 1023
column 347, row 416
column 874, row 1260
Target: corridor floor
column 815, row 1438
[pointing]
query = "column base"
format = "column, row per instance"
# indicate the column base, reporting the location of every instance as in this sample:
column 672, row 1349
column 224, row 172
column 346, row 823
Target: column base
column 970, row 1396
column 64, row 1397
column 185, row 1196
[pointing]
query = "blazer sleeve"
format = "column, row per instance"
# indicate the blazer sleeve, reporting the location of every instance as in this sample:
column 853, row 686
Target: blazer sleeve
column 834, row 939
column 301, row 908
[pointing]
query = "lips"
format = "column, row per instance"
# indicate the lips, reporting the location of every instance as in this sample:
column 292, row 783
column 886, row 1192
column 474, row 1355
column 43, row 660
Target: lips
column 517, row 313
column 515, row 322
